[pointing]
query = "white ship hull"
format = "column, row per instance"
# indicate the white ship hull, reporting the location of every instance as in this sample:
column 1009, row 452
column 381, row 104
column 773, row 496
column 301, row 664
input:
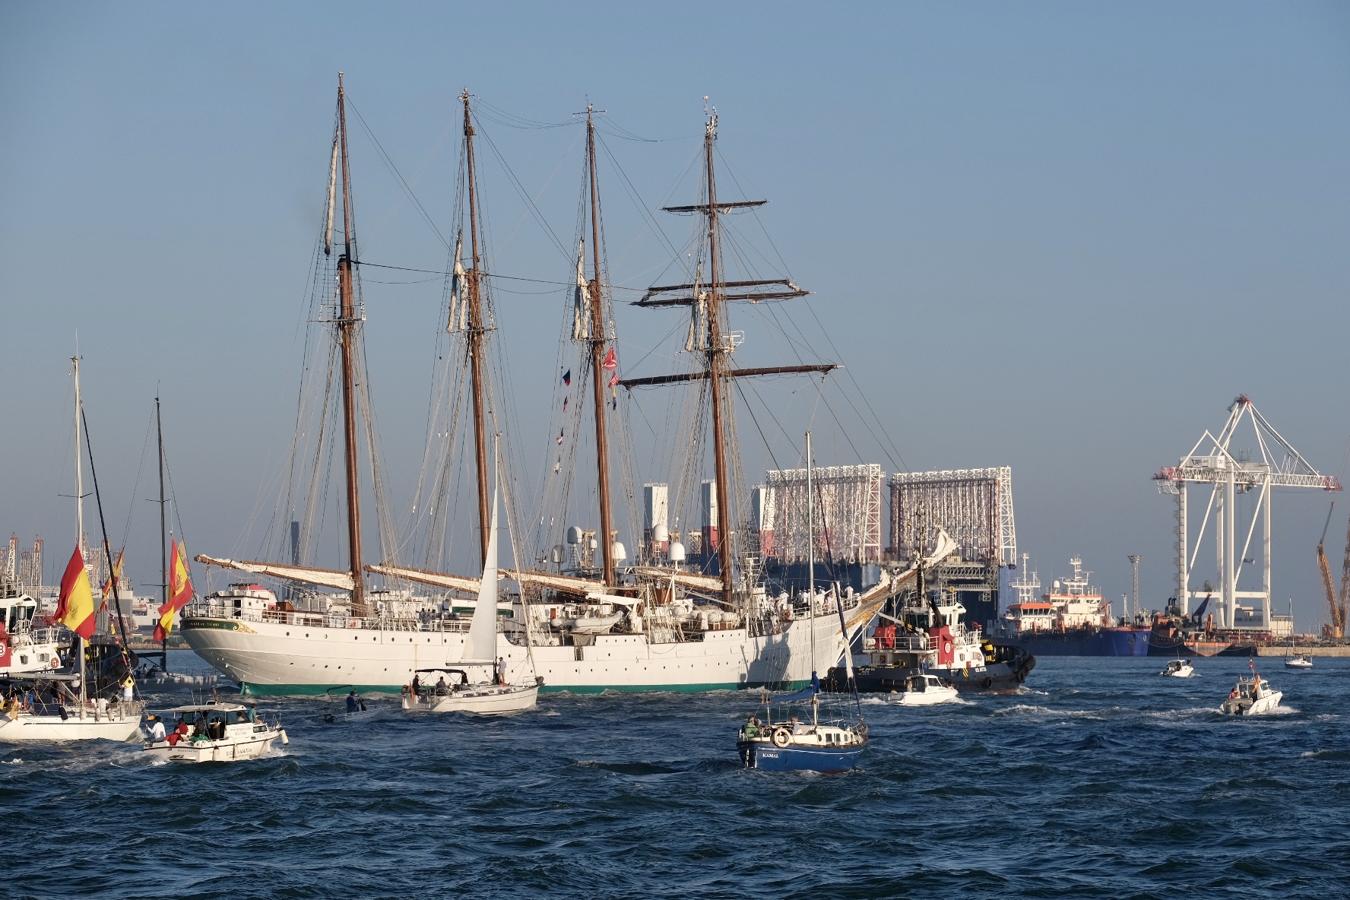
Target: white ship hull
column 279, row 658
column 27, row 727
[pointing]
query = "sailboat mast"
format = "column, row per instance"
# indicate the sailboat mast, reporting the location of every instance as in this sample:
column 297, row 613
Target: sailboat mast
column 79, row 516
column 347, row 338
column 163, row 534
column 717, row 367
column 598, row 334
column 475, row 337
column 811, row 551
column 79, row 471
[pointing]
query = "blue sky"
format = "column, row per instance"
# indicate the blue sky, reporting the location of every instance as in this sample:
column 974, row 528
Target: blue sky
column 1056, row 236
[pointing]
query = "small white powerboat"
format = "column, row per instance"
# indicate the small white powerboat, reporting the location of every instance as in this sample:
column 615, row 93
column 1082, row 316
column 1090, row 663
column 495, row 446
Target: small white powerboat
column 1251, row 697
column 925, row 690
column 1178, row 668
column 1298, row 662
column 216, row 732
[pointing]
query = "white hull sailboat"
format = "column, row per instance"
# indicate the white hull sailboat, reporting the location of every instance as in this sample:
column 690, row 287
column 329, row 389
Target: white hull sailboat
column 488, row 695
column 114, row 724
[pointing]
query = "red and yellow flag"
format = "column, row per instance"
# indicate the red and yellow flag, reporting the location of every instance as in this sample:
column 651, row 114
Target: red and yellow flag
column 107, row 588
column 75, row 604
column 180, row 591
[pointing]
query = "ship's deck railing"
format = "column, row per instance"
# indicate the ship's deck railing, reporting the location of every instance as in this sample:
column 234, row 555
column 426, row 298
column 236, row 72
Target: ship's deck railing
column 903, row 643
column 310, row 619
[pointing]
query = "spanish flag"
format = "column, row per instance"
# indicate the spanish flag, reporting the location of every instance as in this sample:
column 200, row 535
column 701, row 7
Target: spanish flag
column 75, row 604
column 180, row 591
column 106, row 590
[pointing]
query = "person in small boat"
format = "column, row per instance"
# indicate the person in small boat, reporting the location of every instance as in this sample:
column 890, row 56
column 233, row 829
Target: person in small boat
column 416, row 684
column 352, row 703
column 752, row 726
column 501, row 670
column 156, row 729
column 441, row 687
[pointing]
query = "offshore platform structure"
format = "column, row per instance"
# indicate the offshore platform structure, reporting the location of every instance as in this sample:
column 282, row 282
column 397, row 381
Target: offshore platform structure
column 1232, row 471
column 974, row 507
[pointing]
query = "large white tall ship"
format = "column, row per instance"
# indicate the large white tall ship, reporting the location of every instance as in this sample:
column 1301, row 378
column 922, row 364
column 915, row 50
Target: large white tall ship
column 650, row 627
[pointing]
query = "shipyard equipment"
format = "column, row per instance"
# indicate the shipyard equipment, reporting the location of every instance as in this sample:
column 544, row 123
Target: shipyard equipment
column 1336, row 626
column 1231, row 470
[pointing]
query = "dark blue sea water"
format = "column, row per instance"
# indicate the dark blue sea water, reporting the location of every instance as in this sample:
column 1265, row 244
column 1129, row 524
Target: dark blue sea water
column 1100, row 779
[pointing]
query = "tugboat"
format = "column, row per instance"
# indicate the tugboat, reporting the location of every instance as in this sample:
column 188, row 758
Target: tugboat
column 928, row 636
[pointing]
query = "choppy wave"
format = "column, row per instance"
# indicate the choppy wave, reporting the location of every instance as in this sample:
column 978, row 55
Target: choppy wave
column 1100, row 779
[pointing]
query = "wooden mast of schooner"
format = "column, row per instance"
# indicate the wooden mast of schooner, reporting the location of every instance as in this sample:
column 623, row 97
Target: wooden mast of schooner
column 475, row 339
column 346, row 324
column 598, row 337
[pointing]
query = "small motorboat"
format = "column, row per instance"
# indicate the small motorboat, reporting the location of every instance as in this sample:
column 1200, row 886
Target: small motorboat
column 217, row 732
column 1178, row 668
column 925, row 690
column 1302, row 661
column 1251, row 697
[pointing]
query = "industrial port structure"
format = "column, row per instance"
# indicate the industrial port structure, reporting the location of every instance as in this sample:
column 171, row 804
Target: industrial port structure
column 1231, row 469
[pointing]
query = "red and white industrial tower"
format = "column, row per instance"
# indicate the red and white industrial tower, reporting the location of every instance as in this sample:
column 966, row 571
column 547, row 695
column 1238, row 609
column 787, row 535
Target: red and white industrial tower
column 1232, row 469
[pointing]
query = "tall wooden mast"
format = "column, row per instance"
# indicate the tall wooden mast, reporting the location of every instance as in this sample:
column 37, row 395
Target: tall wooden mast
column 346, row 324
column 598, row 338
column 716, row 366
column 475, row 338
column 716, row 371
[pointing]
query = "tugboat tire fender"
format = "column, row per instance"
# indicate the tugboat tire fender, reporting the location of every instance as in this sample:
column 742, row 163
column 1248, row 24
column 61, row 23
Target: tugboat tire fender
column 781, row 736
column 988, row 682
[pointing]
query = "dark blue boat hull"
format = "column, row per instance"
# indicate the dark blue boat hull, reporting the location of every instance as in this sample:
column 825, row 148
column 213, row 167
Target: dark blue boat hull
column 798, row 759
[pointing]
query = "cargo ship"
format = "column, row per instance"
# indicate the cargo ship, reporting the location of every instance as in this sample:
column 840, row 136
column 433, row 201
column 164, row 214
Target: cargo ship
column 1071, row 619
column 1175, row 633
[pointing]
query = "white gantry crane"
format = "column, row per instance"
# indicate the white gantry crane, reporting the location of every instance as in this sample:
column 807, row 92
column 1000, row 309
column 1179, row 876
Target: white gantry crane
column 1230, row 469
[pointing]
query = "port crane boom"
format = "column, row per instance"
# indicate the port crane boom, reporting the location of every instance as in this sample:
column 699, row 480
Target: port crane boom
column 1268, row 462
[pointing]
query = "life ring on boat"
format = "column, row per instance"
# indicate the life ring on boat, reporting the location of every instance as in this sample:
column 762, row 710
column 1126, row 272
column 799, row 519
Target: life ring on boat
column 56, row 663
column 781, row 736
column 353, row 623
column 988, row 682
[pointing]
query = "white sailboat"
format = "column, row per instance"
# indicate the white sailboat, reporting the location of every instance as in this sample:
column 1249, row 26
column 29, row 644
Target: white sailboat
column 57, row 707
column 1294, row 660
column 482, row 686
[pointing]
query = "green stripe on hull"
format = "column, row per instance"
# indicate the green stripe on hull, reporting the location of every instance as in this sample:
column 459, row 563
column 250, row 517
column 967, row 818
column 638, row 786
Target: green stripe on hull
column 319, row 690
